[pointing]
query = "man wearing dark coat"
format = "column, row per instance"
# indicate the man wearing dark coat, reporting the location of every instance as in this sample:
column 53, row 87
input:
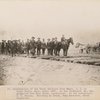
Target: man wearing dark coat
column 43, row 46
column 55, row 46
column 32, row 46
column 38, row 44
column 9, row 46
column 49, row 47
column 52, row 46
column 0, row 47
column 3, row 46
column 28, row 46
column 62, row 38
column 12, row 47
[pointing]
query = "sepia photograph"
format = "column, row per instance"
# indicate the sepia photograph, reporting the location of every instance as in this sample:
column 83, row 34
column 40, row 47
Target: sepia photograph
column 49, row 42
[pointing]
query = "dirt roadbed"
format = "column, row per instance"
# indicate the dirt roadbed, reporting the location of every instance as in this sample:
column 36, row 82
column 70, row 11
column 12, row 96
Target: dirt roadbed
column 86, row 59
column 25, row 70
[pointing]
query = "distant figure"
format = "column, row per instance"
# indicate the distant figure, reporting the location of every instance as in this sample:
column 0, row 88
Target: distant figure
column 43, row 46
column 52, row 46
column 0, row 47
column 33, row 46
column 9, row 47
column 27, row 46
column 3, row 46
column 62, row 38
column 49, row 47
column 55, row 46
column 38, row 43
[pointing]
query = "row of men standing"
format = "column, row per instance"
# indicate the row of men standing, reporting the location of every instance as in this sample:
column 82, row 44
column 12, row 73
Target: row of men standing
column 32, row 46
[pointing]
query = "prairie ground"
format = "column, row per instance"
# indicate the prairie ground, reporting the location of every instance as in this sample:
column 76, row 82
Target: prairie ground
column 21, row 70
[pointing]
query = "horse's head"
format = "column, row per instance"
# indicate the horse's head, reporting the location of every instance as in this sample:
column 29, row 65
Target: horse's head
column 78, row 45
column 71, row 40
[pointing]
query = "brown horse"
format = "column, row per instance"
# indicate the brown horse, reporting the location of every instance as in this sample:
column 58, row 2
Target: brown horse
column 63, row 45
column 66, row 44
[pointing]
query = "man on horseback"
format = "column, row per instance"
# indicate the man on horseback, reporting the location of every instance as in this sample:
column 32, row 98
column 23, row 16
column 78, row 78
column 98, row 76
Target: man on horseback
column 62, row 38
column 65, row 45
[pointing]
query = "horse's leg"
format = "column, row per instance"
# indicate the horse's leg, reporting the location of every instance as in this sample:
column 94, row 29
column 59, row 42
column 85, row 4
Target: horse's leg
column 12, row 53
column 63, row 52
column 48, row 51
column 37, row 51
column 43, row 51
column 66, row 51
column 54, row 51
column 59, row 53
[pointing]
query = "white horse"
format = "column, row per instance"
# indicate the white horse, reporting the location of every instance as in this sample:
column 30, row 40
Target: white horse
column 88, row 48
column 83, row 48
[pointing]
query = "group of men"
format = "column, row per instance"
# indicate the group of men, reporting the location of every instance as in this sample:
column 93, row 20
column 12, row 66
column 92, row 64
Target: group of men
column 12, row 47
column 31, row 46
column 40, row 46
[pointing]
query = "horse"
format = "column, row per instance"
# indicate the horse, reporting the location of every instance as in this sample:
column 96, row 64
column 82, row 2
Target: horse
column 93, row 48
column 82, row 47
column 65, row 45
column 87, row 48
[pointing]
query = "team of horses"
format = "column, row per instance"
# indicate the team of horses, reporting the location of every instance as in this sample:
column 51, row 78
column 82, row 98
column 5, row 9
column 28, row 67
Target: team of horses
column 88, row 48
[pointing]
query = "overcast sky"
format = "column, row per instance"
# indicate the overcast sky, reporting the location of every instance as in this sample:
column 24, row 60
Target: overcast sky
column 47, row 19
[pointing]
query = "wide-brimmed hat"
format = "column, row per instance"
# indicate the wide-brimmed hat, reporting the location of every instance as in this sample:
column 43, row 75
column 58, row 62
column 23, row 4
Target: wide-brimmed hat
column 33, row 37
